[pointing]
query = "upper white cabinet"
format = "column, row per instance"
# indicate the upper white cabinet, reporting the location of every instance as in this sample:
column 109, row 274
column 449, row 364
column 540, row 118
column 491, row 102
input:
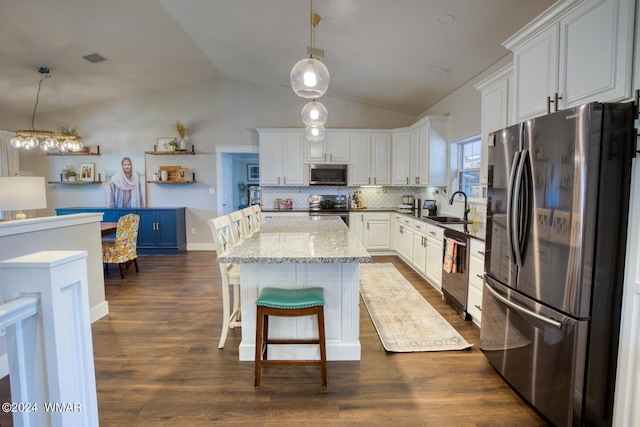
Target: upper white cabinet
column 400, row 157
column 370, row 158
column 335, row 148
column 496, row 111
column 282, row 158
column 575, row 52
column 419, row 154
column 431, row 153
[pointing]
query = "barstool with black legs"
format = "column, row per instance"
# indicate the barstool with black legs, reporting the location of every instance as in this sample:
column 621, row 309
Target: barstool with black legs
column 289, row 303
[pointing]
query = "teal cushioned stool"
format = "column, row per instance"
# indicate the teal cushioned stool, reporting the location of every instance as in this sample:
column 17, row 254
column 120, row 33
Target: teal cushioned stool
column 289, row 303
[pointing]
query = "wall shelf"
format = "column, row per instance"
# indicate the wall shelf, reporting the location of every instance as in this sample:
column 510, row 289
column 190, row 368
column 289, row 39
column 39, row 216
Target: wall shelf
column 169, row 153
column 171, row 182
column 75, row 182
column 88, row 153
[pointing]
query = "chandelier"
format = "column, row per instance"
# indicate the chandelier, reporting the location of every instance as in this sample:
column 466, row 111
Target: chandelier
column 310, row 79
column 48, row 140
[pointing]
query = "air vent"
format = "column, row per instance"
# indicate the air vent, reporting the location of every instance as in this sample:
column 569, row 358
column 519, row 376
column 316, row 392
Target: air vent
column 316, row 53
column 94, row 58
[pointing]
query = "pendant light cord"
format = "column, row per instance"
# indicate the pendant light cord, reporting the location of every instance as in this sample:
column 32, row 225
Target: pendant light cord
column 33, row 116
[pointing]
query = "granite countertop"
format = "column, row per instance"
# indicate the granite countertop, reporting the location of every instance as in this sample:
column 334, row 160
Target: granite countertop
column 477, row 230
column 300, row 240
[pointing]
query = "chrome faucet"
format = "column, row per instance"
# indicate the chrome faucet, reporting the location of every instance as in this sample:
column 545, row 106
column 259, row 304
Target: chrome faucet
column 466, row 206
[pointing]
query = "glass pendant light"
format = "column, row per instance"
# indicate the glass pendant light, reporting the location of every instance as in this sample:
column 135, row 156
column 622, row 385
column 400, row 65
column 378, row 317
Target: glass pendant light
column 310, row 77
column 16, row 142
column 314, row 113
column 314, row 133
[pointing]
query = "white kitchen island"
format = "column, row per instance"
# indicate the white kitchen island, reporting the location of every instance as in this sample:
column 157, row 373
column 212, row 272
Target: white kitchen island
column 301, row 252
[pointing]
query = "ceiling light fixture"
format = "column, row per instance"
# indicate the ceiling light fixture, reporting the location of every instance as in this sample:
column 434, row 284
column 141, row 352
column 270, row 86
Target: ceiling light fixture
column 309, row 77
column 47, row 140
column 314, row 133
column 314, row 113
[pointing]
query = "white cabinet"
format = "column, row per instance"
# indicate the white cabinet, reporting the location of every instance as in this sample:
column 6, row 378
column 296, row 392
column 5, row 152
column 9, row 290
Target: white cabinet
column 576, row 52
column 370, row 158
column 419, row 258
column 495, row 111
column 356, row 225
column 420, row 154
column 282, row 158
column 476, row 280
column 335, row 148
column 400, row 157
column 404, row 237
column 373, row 229
column 435, row 245
column 431, row 152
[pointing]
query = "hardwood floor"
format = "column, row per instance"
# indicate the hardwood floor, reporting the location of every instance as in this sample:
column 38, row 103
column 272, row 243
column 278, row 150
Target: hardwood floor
column 157, row 363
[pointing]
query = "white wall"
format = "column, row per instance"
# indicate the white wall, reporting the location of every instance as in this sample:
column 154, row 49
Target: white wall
column 464, row 104
column 218, row 111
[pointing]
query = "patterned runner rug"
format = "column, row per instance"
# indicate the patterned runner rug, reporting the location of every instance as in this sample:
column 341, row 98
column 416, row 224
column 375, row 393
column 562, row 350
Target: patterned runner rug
column 405, row 321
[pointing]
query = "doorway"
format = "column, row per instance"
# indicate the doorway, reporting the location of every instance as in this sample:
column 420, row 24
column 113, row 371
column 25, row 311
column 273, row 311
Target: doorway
column 235, row 165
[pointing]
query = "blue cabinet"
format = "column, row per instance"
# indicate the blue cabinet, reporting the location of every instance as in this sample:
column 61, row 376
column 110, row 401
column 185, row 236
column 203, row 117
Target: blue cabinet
column 161, row 230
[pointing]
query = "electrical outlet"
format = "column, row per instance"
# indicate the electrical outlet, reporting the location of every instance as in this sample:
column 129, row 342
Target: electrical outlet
column 193, row 230
column 212, row 190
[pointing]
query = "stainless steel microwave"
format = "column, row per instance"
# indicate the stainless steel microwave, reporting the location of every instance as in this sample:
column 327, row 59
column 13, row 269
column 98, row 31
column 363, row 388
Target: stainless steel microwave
column 327, row 174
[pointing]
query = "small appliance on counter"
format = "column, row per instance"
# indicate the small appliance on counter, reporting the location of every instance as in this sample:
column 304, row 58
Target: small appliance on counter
column 429, row 208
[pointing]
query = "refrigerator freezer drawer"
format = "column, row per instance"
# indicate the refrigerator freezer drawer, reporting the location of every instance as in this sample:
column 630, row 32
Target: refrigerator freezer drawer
column 539, row 352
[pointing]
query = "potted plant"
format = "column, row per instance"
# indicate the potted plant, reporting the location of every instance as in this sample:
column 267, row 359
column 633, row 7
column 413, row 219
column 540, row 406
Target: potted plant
column 182, row 131
column 71, row 175
column 173, row 145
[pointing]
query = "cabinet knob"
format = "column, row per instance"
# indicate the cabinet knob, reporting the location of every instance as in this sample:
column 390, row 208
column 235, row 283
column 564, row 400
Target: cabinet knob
column 480, row 276
column 478, row 307
column 481, row 253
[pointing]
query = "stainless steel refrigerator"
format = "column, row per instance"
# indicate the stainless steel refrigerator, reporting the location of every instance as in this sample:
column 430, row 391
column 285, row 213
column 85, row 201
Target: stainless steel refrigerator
column 558, row 200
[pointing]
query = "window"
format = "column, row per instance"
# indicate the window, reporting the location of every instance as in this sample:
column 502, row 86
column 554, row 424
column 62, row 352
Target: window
column 469, row 159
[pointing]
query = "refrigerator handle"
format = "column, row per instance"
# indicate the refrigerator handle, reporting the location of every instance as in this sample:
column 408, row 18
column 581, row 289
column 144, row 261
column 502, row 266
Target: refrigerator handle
column 545, row 319
column 516, row 214
column 510, row 199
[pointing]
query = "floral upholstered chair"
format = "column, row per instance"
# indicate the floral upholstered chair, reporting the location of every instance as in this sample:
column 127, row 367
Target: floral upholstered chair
column 123, row 249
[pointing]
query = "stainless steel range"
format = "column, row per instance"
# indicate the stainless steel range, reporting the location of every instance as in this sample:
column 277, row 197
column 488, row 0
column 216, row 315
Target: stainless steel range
column 329, row 205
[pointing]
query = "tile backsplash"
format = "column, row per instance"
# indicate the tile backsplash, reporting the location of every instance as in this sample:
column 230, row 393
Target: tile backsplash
column 381, row 197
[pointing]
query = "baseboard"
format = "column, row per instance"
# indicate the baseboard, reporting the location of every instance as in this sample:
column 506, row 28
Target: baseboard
column 99, row 311
column 201, row 247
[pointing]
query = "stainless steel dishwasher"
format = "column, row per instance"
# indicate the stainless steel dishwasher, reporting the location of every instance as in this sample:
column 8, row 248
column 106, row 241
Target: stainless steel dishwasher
column 455, row 274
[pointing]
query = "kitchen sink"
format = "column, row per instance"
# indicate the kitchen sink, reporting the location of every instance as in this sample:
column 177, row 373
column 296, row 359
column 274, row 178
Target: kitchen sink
column 448, row 219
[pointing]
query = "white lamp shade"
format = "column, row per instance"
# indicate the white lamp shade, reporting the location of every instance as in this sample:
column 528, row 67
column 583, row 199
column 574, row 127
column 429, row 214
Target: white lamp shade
column 22, row 193
column 314, row 113
column 309, row 78
column 314, row 133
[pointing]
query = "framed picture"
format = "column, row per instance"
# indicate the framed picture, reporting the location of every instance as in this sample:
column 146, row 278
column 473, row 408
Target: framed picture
column 182, row 174
column 88, row 172
column 162, row 144
column 253, row 173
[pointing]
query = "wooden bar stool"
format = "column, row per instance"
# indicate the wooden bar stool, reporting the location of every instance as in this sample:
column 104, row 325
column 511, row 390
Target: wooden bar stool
column 289, row 303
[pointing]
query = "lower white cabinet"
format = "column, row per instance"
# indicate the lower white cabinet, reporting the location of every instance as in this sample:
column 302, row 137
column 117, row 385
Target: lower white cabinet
column 476, row 280
column 373, row 229
column 419, row 258
column 435, row 245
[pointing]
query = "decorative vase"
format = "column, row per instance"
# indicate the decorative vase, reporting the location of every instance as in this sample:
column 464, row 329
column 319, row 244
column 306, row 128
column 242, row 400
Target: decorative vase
column 164, row 175
column 183, row 144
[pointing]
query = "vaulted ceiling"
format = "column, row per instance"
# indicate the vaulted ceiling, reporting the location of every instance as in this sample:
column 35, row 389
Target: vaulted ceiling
column 394, row 54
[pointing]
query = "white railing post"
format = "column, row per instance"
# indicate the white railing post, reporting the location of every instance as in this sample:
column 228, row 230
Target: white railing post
column 51, row 354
